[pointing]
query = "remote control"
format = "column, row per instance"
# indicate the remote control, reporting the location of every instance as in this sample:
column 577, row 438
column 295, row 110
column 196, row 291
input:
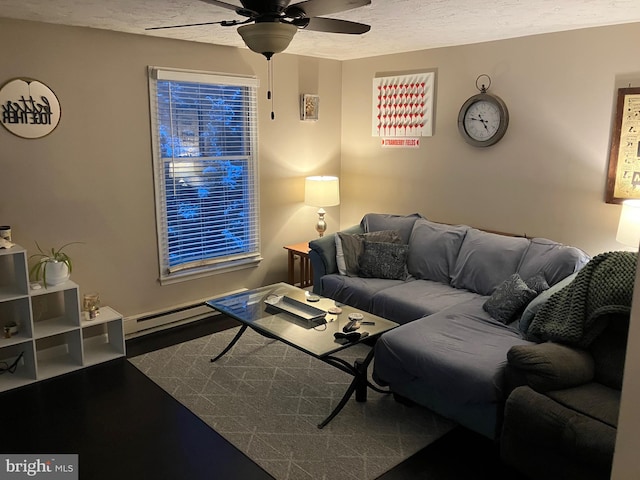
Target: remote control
column 351, row 336
column 352, row 326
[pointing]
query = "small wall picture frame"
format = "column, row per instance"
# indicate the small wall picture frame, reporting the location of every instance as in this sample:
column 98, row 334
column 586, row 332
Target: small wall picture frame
column 309, row 106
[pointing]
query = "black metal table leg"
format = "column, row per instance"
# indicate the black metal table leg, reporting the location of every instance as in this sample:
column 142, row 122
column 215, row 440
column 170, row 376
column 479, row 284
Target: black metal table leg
column 343, row 401
column 232, row 343
column 358, row 384
column 361, row 380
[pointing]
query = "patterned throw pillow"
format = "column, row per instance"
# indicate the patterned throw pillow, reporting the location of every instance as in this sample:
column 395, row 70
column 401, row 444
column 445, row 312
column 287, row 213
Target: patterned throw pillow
column 509, row 299
column 537, row 283
column 349, row 247
column 384, row 260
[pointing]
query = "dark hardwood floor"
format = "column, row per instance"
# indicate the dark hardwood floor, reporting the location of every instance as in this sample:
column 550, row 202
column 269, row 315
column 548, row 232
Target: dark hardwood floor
column 123, row 426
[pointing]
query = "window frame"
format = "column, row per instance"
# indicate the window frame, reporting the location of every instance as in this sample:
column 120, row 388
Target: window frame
column 213, row 265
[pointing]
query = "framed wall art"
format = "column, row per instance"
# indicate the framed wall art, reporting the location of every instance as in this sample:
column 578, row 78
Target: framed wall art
column 403, row 105
column 309, row 106
column 623, row 177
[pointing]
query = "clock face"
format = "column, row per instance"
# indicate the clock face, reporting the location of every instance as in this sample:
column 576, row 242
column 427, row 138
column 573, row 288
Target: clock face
column 483, row 120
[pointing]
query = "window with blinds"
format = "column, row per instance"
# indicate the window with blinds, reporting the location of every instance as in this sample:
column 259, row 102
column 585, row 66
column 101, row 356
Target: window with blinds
column 205, row 168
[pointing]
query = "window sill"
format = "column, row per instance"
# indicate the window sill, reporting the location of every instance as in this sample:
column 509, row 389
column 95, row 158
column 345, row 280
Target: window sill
column 208, row 271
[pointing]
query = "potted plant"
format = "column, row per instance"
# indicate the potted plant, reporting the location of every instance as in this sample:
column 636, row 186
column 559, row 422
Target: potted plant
column 53, row 267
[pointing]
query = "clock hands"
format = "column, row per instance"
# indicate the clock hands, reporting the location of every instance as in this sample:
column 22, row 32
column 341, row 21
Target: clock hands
column 482, row 120
column 486, row 110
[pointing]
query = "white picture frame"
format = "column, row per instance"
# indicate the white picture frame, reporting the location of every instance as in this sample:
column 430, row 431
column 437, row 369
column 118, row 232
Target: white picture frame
column 309, row 107
column 403, row 105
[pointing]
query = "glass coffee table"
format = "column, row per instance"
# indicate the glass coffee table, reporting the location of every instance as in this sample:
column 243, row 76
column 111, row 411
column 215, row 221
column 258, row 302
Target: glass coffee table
column 300, row 319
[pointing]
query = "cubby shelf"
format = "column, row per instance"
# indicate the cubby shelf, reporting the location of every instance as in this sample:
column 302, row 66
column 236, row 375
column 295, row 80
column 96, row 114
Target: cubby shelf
column 54, row 336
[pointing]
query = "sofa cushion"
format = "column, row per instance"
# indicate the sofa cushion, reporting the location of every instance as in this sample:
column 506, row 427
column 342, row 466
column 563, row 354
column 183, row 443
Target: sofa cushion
column 384, row 260
column 355, row 291
column 554, row 260
column 460, row 353
column 433, row 249
column 591, row 399
column 409, row 301
column 373, row 222
column 552, row 441
column 349, row 248
column 486, row 260
column 509, row 299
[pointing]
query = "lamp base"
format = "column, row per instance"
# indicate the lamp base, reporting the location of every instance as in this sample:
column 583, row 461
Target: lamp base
column 321, row 226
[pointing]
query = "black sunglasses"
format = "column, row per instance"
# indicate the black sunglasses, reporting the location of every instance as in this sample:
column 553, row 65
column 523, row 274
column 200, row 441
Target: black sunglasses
column 5, row 367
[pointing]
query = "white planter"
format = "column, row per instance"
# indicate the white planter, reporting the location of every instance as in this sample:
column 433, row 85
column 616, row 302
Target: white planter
column 56, row 272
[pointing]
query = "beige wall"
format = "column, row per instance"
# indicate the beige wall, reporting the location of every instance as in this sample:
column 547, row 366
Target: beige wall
column 546, row 177
column 91, row 179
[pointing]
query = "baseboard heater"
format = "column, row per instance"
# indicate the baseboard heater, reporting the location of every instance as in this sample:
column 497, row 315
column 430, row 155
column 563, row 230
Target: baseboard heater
column 178, row 315
column 150, row 322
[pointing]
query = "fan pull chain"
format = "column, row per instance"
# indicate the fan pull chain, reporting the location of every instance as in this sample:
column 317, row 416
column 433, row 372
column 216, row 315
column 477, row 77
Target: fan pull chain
column 270, row 81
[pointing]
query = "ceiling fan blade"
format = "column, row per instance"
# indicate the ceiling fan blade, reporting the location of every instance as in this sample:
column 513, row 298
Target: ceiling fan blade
column 185, row 25
column 318, row 8
column 331, row 25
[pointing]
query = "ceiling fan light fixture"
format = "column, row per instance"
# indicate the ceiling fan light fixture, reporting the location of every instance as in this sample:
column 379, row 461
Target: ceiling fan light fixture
column 267, row 38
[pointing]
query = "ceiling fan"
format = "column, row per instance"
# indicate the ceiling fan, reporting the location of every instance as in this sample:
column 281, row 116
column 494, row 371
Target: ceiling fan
column 270, row 25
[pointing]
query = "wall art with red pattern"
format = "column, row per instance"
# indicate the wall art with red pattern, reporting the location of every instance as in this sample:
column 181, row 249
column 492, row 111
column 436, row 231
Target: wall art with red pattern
column 403, row 105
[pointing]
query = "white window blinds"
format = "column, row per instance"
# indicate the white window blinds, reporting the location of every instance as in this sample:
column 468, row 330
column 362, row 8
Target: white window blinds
column 205, row 168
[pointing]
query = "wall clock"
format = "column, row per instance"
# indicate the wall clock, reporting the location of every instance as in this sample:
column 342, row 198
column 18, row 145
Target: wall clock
column 483, row 118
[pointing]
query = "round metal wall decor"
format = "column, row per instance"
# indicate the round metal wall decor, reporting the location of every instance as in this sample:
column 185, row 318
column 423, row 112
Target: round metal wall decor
column 28, row 108
column 483, row 118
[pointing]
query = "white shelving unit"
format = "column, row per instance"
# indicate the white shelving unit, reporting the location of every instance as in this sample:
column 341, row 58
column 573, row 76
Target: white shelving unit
column 54, row 336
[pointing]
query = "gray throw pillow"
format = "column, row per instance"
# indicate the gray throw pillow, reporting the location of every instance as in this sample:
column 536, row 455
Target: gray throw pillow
column 349, row 247
column 537, row 283
column 509, row 299
column 384, row 260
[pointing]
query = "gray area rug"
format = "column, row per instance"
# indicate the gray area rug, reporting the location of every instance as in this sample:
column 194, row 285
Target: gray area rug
column 267, row 398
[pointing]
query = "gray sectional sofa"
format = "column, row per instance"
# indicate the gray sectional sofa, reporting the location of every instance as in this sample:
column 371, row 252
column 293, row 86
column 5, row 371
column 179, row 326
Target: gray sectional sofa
column 463, row 298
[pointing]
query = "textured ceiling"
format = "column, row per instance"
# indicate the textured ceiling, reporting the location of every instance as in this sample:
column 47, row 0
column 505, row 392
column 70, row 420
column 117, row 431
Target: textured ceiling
column 397, row 25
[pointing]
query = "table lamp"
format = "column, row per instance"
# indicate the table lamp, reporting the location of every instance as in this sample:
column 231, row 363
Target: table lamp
column 629, row 225
column 322, row 191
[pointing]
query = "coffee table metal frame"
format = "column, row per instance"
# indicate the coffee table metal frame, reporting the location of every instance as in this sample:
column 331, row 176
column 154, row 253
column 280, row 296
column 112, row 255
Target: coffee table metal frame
column 312, row 337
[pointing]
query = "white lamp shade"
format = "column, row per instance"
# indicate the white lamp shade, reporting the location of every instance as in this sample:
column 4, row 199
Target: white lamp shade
column 322, row 191
column 629, row 225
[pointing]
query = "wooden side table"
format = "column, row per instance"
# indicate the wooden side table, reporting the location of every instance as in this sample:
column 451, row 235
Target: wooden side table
column 300, row 250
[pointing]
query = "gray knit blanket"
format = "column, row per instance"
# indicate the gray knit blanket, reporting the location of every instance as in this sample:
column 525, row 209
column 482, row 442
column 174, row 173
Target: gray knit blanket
column 579, row 312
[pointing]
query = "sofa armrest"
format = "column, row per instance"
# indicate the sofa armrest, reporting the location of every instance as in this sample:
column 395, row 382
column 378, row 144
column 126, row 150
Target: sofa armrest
column 550, row 366
column 322, row 256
